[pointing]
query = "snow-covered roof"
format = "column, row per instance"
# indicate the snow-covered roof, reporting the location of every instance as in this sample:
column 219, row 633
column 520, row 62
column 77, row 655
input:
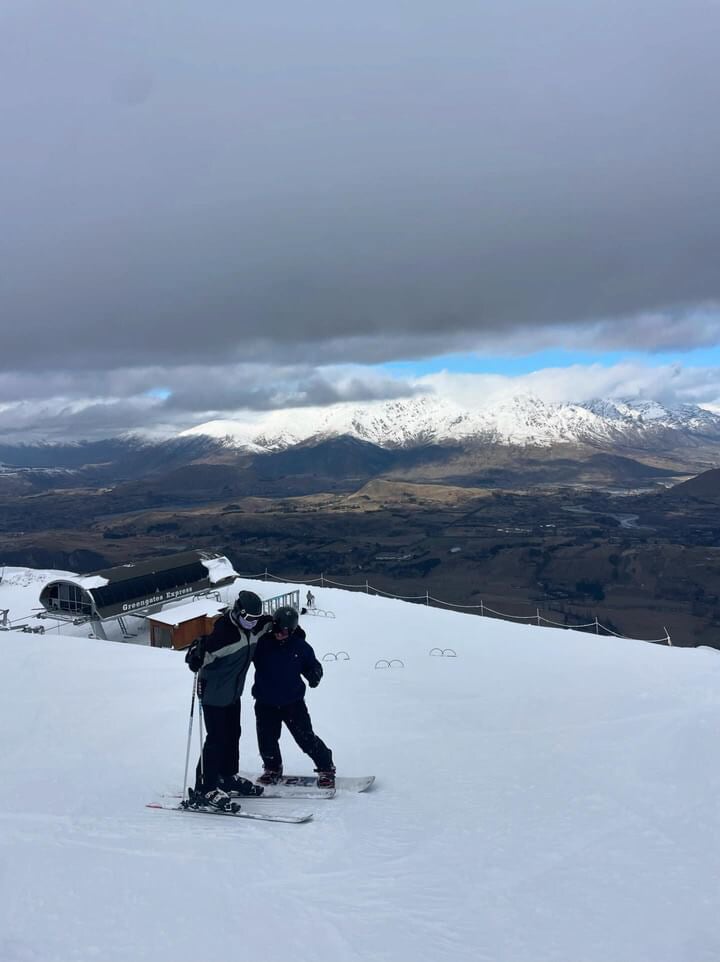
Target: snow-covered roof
column 219, row 569
column 203, row 607
column 89, row 581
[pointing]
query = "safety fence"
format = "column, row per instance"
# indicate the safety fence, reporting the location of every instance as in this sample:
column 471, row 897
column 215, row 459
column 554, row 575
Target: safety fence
column 287, row 599
column 481, row 609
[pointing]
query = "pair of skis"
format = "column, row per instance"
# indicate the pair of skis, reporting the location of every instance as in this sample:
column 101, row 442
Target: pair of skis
column 288, row 786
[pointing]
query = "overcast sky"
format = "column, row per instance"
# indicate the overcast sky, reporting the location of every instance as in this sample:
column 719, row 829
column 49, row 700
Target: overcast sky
column 250, row 205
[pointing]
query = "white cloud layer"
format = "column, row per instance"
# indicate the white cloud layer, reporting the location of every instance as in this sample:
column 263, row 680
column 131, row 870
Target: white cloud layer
column 670, row 384
column 198, row 395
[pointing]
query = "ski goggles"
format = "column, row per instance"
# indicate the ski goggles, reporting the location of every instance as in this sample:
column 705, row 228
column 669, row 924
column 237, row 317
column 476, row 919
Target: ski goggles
column 247, row 621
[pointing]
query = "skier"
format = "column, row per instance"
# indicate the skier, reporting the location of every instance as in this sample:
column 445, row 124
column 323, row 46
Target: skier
column 282, row 656
column 310, row 600
column 221, row 660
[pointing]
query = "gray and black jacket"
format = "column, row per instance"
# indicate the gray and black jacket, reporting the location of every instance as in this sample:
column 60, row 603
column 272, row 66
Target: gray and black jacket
column 229, row 651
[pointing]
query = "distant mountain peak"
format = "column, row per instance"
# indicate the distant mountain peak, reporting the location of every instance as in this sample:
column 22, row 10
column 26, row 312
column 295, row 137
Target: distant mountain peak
column 522, row 420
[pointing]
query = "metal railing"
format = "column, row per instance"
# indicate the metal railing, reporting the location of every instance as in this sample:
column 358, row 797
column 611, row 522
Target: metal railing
column 290, row 599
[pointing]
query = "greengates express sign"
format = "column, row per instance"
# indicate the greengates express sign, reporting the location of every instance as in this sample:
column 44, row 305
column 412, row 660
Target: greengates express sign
column 112, row 607
column 159, row 599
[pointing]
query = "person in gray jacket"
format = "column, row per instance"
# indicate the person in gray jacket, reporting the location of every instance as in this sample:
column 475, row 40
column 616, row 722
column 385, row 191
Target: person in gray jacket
column 222, row 659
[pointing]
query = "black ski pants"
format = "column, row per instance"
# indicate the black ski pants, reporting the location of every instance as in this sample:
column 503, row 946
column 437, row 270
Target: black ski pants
column 269, row 720
column 221, row 751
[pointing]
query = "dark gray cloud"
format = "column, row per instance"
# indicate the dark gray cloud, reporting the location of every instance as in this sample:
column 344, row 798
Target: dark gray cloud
column 202, row 387
column 211, row 183
column 60, row 420
column 270, row 388
column 92, row 405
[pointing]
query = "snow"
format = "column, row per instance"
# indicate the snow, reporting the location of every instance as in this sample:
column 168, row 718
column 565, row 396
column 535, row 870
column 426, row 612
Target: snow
column 219, row 569
column 546, row 796
column 90, row 581
column 20, row 589
column 520, row 420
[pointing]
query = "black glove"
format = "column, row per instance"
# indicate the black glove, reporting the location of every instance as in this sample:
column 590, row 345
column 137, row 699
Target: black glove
column 262, row 622
column 314, row 675
column 195, row 655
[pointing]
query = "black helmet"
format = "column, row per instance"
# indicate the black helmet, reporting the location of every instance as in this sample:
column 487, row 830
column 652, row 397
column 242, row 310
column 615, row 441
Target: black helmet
column 247, row 605
column 285, row 617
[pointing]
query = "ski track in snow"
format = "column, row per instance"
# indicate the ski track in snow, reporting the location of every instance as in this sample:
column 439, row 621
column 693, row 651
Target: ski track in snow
column 548, row 796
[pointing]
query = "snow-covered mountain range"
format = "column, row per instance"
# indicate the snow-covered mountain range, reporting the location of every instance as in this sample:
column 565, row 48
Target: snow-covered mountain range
column 519, row 420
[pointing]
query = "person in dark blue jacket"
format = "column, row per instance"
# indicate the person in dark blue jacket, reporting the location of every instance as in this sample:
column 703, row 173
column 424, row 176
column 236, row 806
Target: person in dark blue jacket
column 282, row 658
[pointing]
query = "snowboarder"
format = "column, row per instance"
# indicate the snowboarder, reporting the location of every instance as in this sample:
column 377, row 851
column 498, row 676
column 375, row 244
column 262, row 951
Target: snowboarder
column 222, row 659
column 282, row 657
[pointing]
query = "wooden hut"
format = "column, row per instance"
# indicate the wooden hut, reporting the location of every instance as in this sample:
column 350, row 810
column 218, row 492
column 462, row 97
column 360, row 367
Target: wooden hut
column 178, row 627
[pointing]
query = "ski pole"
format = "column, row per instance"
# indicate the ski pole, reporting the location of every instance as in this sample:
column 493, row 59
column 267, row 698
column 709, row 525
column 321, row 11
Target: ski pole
column 202, row 747
column 190, row 727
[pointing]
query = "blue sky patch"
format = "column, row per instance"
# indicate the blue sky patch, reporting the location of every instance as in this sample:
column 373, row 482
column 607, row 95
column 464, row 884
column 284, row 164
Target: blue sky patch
column 527, row 363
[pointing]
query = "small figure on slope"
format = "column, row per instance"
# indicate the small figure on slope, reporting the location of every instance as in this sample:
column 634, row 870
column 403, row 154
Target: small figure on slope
column 282, row 658
column 222, row 659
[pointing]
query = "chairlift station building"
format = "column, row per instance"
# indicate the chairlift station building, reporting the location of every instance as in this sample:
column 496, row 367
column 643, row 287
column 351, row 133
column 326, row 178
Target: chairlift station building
column 138, row 588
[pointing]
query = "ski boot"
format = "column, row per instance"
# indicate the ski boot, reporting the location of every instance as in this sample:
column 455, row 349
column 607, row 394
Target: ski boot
column 215, row 798
column 238, row 787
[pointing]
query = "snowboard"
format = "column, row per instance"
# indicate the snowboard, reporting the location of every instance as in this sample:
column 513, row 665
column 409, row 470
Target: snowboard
column 238, row 813
column 342, row 782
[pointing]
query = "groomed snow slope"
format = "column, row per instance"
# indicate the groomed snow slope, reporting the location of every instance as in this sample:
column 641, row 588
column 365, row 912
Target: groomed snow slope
column 546, row 796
